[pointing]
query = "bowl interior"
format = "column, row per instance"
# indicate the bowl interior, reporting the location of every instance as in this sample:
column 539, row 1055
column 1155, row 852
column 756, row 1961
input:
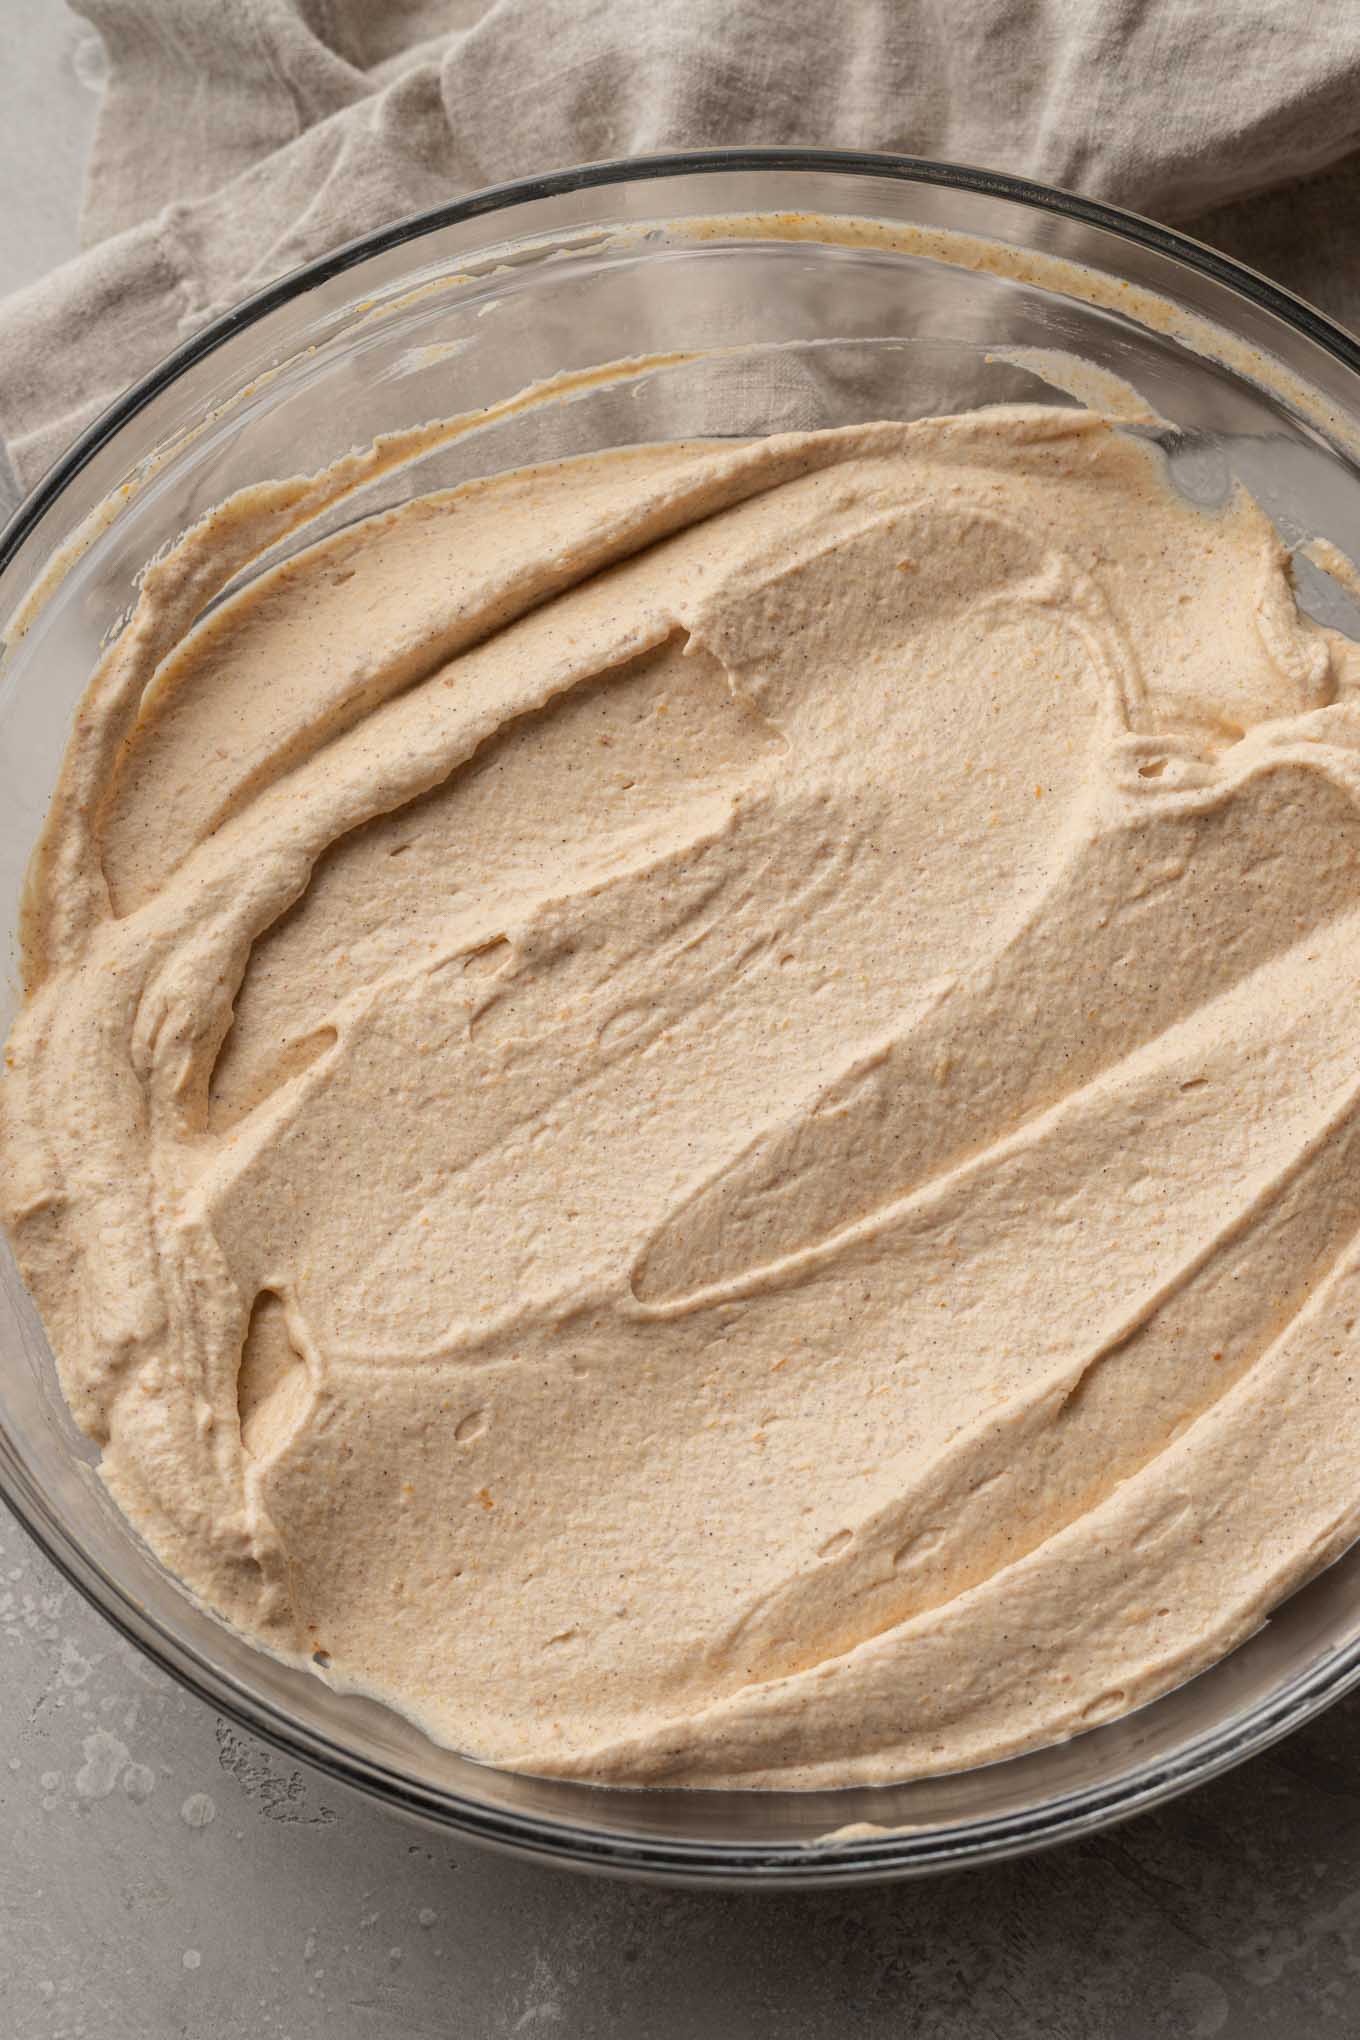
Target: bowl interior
column 738, row 298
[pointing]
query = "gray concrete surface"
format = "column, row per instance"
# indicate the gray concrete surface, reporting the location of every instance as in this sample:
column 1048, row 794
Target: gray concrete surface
column 161, row 1875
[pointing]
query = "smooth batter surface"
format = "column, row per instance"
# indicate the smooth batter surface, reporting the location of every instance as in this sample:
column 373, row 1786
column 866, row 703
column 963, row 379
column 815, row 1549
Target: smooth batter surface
column 696, row 1113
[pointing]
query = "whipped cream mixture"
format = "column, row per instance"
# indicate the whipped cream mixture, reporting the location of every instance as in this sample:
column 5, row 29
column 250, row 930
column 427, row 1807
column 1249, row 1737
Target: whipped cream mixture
column 695, row 1112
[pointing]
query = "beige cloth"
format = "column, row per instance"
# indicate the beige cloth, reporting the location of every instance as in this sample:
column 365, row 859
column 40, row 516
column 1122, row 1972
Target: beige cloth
column 239, row 138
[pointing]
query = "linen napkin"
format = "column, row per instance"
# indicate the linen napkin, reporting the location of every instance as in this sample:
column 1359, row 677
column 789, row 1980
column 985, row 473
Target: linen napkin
column 238, row 138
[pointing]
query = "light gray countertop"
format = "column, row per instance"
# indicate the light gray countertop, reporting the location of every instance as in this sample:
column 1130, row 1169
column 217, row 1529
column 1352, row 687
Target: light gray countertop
column 163, row 1875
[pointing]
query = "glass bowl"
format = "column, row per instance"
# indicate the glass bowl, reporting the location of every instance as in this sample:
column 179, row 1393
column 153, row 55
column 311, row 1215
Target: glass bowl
column 789, row 288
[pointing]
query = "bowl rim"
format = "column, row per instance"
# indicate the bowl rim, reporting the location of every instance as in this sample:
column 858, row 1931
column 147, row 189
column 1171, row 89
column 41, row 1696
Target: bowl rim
column 803, row 1864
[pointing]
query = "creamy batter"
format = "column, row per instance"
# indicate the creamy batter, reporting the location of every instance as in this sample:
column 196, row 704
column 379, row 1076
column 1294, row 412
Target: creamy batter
column 695, row 1113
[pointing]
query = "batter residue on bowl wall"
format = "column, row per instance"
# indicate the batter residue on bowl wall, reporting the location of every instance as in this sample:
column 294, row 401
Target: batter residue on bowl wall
column 696, row 1112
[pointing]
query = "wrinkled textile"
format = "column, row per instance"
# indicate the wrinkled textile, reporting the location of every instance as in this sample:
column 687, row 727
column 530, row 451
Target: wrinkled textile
column 239, row 138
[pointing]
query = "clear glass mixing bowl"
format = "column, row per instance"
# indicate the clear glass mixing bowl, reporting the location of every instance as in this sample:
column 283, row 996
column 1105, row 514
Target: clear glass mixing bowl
column 804, row 288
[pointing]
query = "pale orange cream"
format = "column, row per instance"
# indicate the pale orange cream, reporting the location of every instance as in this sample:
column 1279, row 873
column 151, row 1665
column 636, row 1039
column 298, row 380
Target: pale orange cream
column 696, row 1112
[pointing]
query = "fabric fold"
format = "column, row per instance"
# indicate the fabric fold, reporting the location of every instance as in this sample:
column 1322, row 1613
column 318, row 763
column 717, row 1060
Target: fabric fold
column 240, row 138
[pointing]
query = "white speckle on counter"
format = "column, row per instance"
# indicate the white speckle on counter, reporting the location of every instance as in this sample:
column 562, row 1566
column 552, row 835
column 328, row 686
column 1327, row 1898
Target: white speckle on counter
column 74, row 1668
column 542, row 2000
column 106, row 1758
column 139, row 1781
column 198, row 1810
column 191, row 1958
